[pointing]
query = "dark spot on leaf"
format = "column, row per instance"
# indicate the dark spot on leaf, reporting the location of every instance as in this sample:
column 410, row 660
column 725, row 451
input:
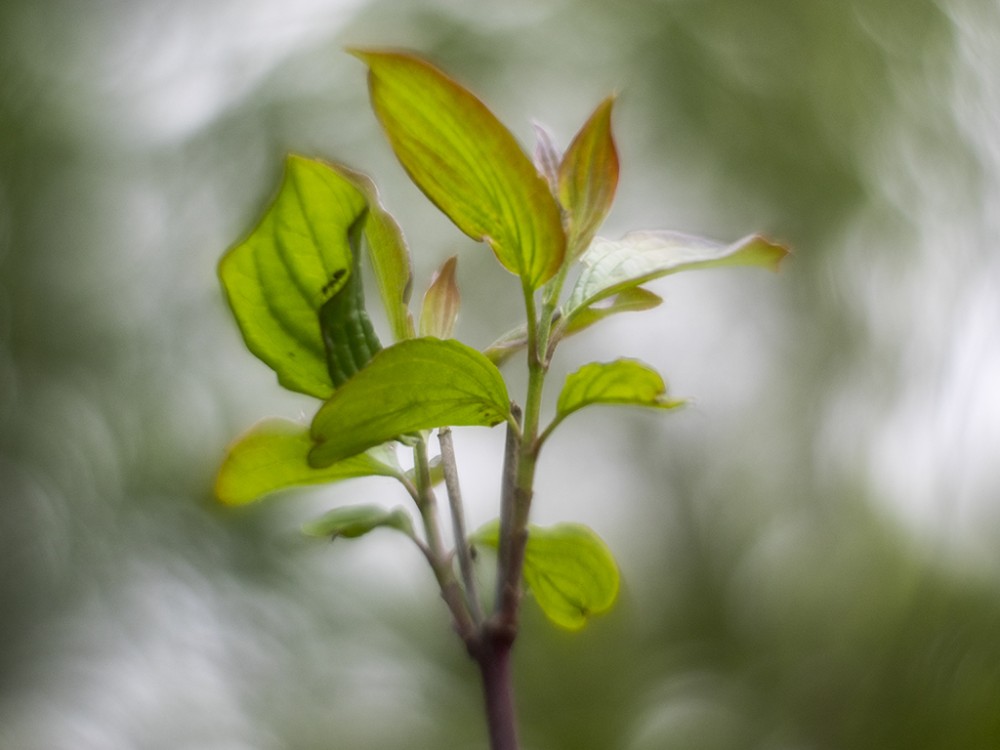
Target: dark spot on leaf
column 337, row 276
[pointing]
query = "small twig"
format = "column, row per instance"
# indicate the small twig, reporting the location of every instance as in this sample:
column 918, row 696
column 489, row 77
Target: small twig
column 413, row 492
column 451, row 592
column 458, row 522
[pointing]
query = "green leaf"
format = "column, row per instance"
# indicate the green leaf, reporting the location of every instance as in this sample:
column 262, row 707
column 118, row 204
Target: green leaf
column 414, row 385
column 271, row 456
column 507, row 345
column 389, row 255
column 624, row 381
column 571, row 573
column 467, row 163
column 441, row 302
column 611, row 267
column 353, row 521
column 633, row 299
column 588, row 178
column 347, row 332
column 296, row 259
column 436, row 466
column 567, row 567
column 487, row 535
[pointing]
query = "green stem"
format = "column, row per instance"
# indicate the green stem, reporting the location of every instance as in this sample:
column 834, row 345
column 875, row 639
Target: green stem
column 549, row 306
column 519, row 471
column 520, row 458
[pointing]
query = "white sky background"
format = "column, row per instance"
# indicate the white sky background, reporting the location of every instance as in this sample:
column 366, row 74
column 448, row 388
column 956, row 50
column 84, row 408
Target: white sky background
column 176, row 67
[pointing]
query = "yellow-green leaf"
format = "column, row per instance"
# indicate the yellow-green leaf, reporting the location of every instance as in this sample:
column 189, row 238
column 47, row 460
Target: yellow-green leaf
column 294, row 261
column 624, row 381
column 571, row 573
column 414, row 385
column 467, row 163
column 271, row 456
column 588, row 178
column 568, row 569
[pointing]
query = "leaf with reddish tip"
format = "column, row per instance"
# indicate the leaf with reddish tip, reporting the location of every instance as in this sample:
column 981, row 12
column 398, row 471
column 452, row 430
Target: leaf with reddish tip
column 441, row 302
column 547, row 156
column 588, row 178
column 469, row 165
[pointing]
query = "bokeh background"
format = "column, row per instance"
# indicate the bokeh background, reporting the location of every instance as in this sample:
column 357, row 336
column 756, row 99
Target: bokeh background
column 810, row 554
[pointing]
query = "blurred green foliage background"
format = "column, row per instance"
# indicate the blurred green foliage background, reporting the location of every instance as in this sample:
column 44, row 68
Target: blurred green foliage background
column 810, row 555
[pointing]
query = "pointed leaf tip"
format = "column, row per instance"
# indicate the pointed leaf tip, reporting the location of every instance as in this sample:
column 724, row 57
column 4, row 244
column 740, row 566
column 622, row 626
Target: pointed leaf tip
column 441, row 302
column 547, row 156
column 612, row 266
column 588, row 177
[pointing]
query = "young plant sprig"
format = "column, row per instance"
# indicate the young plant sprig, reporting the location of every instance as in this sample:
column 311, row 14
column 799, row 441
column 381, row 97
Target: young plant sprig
column 294, row 285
